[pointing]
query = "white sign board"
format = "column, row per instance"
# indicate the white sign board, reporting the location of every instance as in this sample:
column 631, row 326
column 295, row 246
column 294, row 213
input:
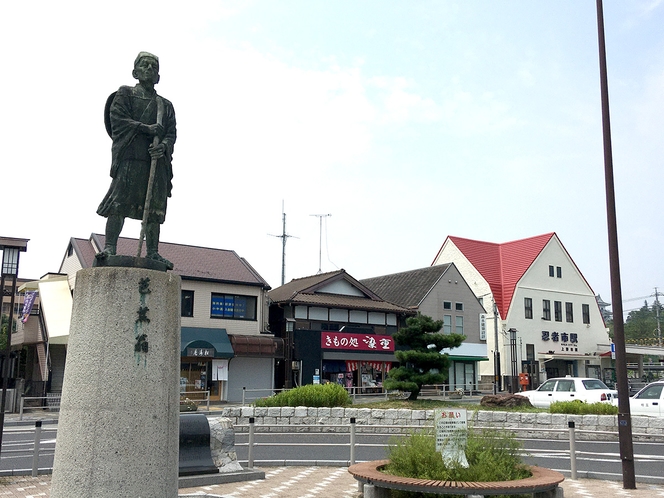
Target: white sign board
column 451, row 427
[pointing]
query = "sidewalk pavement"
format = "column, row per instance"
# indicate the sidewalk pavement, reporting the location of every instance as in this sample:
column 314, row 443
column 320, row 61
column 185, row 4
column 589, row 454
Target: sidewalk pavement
column 319, row 482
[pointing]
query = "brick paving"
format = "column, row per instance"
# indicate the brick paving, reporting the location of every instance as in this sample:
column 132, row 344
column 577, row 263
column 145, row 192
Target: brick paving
column 320, row 482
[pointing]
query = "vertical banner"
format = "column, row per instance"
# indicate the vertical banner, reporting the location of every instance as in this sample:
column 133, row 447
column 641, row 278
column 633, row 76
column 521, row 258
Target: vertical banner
column 219, row 370
column 28, row 302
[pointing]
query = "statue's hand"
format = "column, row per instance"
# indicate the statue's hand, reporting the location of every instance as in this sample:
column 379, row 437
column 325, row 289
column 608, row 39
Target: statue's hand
column 157, row 151
column 154, row 130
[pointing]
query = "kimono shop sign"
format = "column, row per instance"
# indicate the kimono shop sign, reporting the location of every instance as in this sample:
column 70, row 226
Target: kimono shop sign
column 357, row 342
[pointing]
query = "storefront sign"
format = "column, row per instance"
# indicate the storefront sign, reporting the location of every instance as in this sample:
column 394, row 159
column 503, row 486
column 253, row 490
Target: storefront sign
column 358, row 342
column 205, row 352
column 566, row 342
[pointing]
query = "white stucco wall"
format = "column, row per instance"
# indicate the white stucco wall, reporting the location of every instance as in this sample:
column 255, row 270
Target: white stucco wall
column 202, row 301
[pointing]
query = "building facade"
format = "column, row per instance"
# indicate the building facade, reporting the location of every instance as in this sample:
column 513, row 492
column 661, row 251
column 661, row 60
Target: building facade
column 546, row 319
column 226, row 346
column 335, row 329
column 442, row 293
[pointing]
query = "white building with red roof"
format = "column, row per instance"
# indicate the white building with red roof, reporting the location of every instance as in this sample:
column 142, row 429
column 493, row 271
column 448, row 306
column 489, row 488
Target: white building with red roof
column 545, row 317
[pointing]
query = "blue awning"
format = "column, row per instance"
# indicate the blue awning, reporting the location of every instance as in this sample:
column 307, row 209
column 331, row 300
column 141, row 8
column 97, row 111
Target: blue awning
column 200, row 338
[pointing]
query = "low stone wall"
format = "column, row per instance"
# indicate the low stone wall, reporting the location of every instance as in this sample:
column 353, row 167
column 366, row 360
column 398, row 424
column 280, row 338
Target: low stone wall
column 542, row 424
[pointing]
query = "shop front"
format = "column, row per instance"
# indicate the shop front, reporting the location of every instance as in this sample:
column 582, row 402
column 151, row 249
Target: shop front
column 367, row 375
column 204, row 362
column 352, row 360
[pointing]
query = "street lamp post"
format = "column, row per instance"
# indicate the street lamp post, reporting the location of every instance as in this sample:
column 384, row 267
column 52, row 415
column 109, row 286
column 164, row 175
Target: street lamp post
column 11, row 248
column 624, row 414
column 496, row 351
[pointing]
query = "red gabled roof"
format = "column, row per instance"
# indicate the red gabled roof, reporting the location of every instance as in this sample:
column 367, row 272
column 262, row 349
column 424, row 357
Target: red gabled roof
column 502, row 265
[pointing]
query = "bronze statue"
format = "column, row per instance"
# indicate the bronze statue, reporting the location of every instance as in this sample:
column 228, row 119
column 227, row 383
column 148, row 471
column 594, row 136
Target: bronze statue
column 142, row 126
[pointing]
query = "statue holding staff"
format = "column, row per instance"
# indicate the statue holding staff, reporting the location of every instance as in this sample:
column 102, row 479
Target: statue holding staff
column 142, row 126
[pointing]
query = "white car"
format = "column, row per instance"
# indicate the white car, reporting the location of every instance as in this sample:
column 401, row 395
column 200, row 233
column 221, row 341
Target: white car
column 570, row 389
column 648, row 401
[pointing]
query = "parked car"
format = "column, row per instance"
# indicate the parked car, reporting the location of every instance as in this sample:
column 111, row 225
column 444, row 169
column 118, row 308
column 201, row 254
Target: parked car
column 648, row 401
column 570, row 389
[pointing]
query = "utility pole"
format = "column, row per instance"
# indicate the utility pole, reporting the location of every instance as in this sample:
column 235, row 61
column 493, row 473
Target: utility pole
column 283, row 238
column 320, row 238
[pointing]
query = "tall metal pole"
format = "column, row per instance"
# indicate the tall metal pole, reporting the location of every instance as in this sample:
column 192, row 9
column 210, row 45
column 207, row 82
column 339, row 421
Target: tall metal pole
column 659, row 330
column 8, row 350
column 624, row 416
column 320, row 239
column 496, row 351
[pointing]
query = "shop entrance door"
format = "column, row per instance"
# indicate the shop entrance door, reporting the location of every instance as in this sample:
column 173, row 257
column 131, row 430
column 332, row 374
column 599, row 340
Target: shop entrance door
column 195, row 379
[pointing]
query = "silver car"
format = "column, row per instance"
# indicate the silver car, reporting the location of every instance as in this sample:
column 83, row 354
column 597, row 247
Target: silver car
column 568, row 388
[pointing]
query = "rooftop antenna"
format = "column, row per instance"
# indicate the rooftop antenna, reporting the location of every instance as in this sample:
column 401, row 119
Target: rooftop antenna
column 320, row 238
column 283, row 238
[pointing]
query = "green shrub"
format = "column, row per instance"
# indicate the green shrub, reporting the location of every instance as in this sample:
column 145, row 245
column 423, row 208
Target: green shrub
column 492, row 456
column 581, row 408
column 314, row 395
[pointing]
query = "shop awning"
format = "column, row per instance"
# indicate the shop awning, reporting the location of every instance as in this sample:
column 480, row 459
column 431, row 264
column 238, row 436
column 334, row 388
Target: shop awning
column 468, row 358
column 202, row 342
column 257, row 346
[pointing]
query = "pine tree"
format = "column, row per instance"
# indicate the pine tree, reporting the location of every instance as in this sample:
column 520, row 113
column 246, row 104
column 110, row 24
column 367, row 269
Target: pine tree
column 422, row 363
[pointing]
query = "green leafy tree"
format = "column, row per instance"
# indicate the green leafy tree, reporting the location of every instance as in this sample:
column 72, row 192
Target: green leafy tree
column 641, row 324
column 422, row 363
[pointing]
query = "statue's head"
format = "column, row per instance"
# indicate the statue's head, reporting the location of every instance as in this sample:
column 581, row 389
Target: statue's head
column 146, row 67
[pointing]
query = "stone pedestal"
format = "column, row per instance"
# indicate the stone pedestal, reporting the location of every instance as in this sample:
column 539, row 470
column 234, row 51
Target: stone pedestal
column 119, row 416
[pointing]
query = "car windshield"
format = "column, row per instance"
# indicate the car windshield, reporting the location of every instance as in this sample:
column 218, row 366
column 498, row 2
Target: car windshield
column 548, row 385
column 592, row 384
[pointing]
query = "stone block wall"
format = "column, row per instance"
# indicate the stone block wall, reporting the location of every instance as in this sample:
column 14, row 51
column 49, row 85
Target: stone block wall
column 544, row 425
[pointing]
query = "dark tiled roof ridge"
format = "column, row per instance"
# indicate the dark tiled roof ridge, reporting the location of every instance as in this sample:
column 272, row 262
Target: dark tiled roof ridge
column 171, row 244
column 191, row 262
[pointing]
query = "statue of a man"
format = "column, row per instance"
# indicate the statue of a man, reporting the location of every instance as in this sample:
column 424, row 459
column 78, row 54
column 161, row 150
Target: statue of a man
column 134, row 117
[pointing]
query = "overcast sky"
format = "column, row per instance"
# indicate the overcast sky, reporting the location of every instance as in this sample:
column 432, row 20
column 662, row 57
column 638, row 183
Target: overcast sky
column 405, row 121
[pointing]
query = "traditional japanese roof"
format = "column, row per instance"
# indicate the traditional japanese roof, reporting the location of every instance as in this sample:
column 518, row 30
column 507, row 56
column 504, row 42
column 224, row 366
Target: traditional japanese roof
column 408, row 288
column 190, row 262
column 501, row 265
column 312, row 291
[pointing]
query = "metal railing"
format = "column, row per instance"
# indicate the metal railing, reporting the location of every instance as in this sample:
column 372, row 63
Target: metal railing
column 445, row 390
column 50, row 403
column 38, row 449
column 195, row 397
column 255, row 433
